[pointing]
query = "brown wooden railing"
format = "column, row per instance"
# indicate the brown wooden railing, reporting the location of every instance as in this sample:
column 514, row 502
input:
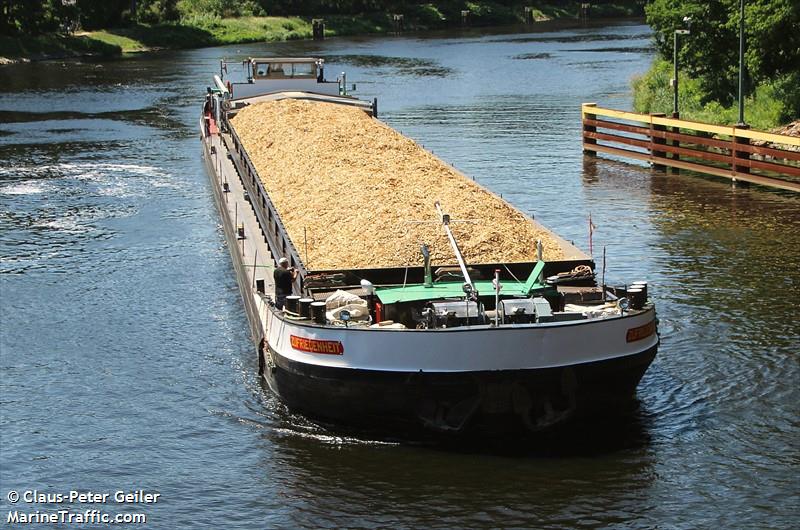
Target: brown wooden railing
column 724, row 151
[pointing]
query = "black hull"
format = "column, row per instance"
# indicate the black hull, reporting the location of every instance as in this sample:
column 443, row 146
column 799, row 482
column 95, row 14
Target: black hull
column 486, row 403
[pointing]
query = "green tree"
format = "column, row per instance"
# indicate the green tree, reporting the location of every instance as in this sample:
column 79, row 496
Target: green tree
column 710, row 53
column 154, row 11
column 31, row 17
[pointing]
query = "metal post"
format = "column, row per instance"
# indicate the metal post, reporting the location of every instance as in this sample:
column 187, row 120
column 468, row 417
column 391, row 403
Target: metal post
column 255, row 264
column 603, row 280
column 675, row 76
column 675, row 113
column 496, row 298
column 741, row 63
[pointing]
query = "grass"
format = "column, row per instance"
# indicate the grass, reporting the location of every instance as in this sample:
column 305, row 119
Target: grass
column 142, row 37
column 202, row 31
column 124, row 43
column 54, row 45
column 765, row 109
column 251, row 29
column 193, row 32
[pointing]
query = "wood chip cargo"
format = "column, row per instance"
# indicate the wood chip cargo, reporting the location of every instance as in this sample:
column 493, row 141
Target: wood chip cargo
column 353, row 193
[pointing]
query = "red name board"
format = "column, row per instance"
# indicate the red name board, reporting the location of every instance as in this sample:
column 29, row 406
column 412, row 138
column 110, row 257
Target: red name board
column 642, row 332
column 329, row 347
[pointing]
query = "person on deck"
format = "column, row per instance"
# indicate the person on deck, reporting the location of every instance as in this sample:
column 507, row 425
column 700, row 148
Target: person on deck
column 284, row 277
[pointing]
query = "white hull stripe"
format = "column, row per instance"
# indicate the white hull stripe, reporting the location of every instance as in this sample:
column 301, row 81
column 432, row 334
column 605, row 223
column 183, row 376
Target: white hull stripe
column 463, row 349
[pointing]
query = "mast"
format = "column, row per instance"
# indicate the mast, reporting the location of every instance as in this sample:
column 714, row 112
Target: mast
column 445, row 218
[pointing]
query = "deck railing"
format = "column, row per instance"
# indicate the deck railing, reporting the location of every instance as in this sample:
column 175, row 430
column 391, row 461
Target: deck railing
column 741, row 154
column 277, row 237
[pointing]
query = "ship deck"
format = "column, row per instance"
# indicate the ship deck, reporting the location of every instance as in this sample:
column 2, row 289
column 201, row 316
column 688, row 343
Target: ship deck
column 251, row 258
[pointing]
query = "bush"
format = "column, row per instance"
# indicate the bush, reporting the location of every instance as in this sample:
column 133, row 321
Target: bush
column 220, row 8
column 490, row 14
column 652, row 91
column 426, row 15
column 770, row 105
column 204, row 21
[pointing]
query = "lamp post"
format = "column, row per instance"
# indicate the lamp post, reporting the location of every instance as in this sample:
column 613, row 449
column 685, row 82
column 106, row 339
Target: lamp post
column 741, row 65
column 674, row 81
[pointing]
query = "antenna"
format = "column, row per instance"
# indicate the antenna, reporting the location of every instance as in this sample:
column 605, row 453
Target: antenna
column 603, row 281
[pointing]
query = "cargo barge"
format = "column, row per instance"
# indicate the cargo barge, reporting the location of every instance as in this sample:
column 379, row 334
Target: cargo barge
column 405, row 317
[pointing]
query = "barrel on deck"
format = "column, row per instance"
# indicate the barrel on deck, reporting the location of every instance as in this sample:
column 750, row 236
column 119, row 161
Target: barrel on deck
column 293, row 304
column 318, row 312
column 305, row 307
column 636, row 298
column 641, row 284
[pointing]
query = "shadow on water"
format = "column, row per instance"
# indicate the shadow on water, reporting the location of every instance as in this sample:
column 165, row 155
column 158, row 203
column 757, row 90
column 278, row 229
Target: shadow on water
column 392, row 482
column 72, row 77
column 467, row 35
column 626, row 428
column 527, row 56
column 399, row 65
column 42, row 154
column 151, row 117
column 632, row 49
column 589, row 437
column 583, row 37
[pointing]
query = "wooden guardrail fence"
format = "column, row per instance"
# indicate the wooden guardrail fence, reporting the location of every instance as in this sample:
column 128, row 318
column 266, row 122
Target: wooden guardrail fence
column 724, row 151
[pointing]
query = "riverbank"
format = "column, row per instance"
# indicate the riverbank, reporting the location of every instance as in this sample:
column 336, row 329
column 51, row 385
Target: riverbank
column 767, row 108
column 197, row 31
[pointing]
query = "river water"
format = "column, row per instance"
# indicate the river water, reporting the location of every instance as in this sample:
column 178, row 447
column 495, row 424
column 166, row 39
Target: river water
column 127, row 364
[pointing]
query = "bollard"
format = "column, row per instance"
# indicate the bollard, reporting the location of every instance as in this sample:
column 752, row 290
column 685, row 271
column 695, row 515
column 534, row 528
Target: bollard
column 398, row 22
column 318, row 28
column 588, row 142
column 675, row 143
column 529, row 15
column 740, row 156
column 465, row 17
column 654, row 141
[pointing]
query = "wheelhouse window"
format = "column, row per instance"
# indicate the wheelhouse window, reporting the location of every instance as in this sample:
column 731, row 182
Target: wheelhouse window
column 284, row 70
column 304, row 70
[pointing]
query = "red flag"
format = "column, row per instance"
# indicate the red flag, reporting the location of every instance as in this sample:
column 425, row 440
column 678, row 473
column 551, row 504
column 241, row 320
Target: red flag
column 592, row 228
